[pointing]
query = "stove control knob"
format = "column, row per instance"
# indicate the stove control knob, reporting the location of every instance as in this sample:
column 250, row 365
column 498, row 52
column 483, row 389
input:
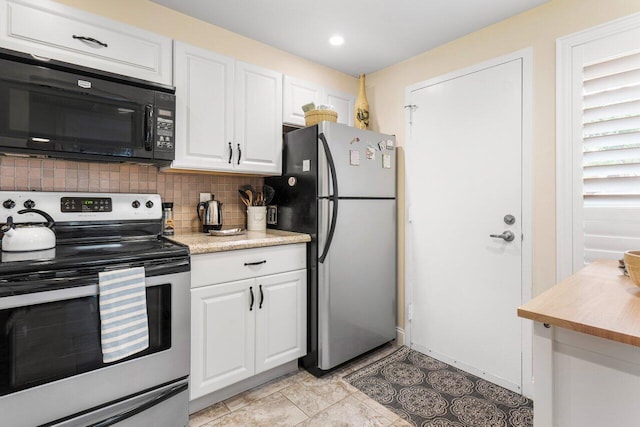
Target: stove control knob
column 149, row 204
column 29, row 204
column 135, row 204
column 9, row 204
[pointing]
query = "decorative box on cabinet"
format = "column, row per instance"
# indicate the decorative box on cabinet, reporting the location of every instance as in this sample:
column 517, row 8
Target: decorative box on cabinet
column 298, row 92
column 228, row 114
column 249, row 318
column 51, row 30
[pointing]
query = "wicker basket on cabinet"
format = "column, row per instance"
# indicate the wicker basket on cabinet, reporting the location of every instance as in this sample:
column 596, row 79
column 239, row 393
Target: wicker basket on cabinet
column 313, row 117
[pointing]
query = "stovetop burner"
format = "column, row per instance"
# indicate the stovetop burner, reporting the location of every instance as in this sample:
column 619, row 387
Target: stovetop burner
column 125, row 233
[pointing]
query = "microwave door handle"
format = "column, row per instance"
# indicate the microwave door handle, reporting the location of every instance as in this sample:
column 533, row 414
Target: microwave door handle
column 148, row 127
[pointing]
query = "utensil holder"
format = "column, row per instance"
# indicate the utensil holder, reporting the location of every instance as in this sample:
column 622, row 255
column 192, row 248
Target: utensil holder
column 256, row 218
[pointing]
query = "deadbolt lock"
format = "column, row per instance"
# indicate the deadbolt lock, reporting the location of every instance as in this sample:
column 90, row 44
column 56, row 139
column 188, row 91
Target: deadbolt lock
column 509, row 219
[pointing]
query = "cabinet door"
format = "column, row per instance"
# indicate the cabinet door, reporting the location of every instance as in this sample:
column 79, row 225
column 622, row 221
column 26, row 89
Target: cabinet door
column 52, row 30
column 204, row 108
column 296, row 94
column 222, row 336
column 344, row 104
column 258, row 142
column 281, row 319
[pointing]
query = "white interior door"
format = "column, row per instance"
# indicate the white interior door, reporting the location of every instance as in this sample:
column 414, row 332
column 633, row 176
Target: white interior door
column 464, row 175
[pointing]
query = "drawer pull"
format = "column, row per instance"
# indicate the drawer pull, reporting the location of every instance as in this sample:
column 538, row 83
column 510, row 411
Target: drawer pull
column 251, row 305
column 90, row 40
column 261, row 298
column 264, row 261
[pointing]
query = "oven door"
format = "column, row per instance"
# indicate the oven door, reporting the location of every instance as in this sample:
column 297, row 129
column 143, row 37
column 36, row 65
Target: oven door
column 62, row 114
column 50, row 356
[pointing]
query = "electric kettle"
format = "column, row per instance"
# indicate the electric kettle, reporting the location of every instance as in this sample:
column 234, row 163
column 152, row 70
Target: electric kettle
column 28, row 236
column 210, row 214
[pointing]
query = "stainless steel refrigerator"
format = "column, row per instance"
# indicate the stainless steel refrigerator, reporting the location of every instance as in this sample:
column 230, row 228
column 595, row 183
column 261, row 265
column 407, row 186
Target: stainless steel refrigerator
column 339, row 185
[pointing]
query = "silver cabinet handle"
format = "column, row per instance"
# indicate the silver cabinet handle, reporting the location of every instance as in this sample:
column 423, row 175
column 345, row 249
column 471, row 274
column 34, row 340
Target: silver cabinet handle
column 507, row 236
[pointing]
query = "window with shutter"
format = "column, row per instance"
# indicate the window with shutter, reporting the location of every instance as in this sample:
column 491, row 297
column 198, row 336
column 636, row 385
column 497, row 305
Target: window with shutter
column 598, row 144
column 611, row 156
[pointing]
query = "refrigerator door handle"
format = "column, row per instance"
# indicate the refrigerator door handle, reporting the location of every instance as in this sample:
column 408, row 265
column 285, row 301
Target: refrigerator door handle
column 332, row 198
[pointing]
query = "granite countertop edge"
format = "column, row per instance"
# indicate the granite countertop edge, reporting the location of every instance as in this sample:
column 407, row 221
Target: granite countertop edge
column 201, row 243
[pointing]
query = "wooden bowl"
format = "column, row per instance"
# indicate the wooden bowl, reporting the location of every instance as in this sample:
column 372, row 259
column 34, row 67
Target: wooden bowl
column 632, row 262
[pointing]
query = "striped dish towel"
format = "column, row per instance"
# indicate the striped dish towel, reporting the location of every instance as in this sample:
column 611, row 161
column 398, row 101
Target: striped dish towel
column 123, row 313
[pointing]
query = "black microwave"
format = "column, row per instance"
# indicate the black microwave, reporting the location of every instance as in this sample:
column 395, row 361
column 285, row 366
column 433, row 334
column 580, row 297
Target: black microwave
column 54, row 109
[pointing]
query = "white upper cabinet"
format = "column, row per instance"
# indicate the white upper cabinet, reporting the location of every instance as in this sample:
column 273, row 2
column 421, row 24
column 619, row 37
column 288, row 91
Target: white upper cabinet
column 296, row 94
column 51, row 30
column 228, row 114
column 258, row 119
column 344, row 104
column 299, row 92
column 204, row 108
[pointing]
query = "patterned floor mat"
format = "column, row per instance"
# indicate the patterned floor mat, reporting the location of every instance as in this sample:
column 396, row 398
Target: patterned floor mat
column 430, row 393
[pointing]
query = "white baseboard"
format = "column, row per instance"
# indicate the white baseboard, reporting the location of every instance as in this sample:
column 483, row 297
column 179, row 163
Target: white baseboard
column 400, row 336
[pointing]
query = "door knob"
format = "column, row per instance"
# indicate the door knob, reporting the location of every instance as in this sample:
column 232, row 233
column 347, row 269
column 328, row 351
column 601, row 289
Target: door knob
column 507, row 236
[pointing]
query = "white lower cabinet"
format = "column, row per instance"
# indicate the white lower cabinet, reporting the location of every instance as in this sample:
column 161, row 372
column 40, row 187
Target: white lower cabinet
column 245, row 327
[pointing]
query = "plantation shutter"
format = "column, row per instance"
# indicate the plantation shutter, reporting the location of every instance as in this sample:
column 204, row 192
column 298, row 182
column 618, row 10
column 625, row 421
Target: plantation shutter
column 611, row 157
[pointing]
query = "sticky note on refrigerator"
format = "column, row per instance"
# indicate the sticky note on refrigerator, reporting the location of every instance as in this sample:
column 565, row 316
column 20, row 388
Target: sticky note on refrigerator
column 306, row 165
column 390, row 144
column 354, row 157
column 386, row 161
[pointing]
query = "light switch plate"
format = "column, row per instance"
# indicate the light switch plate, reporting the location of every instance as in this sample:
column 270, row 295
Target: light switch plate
column 205, row 197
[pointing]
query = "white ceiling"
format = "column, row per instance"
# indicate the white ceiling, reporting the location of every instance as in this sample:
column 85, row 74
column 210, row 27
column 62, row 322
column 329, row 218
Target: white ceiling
column 377, row 33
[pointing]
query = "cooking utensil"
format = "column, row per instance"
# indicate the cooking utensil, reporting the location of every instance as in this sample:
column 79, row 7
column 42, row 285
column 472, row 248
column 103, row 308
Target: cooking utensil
column 244, row 197
column 28, row 236
column 248, row 187
column 269, row 194
column 211, row 217
column 249, row 194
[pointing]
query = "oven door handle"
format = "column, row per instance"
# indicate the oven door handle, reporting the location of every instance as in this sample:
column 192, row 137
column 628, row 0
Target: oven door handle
column 32, row 298
column 36, row 291
column 166, row 395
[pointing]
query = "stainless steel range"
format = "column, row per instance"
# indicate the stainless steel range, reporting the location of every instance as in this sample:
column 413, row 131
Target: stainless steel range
column 51, row 357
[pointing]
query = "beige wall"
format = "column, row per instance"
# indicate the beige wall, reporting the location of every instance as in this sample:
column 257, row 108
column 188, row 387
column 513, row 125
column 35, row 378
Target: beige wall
column 538, row 28
column 181, row 189
column 158, row 19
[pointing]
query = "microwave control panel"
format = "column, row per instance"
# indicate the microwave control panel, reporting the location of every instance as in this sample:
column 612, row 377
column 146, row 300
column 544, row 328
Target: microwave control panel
column 165, row 133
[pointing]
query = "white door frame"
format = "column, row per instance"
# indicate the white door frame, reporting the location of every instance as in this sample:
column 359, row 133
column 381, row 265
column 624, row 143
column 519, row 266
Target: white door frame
column 527, row 195
column 568, row 162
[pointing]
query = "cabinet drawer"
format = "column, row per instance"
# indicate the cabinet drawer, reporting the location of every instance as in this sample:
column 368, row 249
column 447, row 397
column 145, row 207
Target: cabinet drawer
column 220, row 267
column 52, row 30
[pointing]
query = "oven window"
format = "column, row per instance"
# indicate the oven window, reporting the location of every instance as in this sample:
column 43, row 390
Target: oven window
column 47, row 342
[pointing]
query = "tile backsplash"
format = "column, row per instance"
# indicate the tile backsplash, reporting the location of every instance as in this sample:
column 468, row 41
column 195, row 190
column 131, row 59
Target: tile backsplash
column 26, row 174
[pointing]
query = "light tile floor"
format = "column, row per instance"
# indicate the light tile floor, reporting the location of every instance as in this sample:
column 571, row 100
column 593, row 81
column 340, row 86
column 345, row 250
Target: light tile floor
column 300, row 399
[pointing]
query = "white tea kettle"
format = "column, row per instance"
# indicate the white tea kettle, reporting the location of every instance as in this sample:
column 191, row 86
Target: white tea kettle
column 28, row 236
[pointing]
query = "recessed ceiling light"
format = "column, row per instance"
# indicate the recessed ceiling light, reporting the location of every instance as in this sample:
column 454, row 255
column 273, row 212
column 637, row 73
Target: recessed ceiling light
column 336, row 40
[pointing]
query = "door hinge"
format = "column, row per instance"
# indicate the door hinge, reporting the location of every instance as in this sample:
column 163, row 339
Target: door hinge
column 410, row 311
